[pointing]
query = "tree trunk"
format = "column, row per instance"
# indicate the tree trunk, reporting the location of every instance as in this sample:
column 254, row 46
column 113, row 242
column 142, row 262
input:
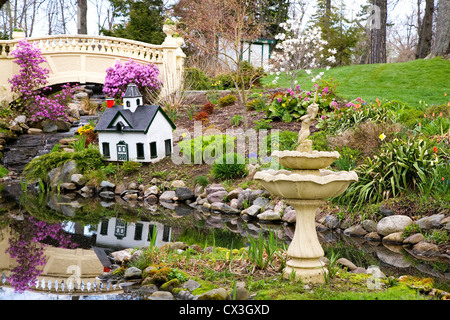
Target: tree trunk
column 426, row 31
column 378, row 32
column 82, row 16
column 441, row 45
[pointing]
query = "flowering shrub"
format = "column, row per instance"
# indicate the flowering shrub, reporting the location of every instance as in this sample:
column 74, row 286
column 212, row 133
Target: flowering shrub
column 118, row 77
column 299, row 52
column 292, row 105
column 27, row 247
column 33, row 77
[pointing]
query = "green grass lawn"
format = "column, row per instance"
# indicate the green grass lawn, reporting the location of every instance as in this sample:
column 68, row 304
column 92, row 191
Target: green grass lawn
column 410, row 82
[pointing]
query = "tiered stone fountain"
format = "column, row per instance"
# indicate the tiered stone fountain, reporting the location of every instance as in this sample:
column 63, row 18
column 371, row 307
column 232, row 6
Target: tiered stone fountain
column 305, row 187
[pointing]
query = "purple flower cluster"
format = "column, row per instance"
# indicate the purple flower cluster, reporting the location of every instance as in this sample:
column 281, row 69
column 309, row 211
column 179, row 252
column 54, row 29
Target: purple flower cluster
column 33, row 77
column 27, row 248
column 118, row 77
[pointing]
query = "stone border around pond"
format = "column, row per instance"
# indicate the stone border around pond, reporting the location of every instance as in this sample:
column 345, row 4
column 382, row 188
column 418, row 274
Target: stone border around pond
column 256, row 204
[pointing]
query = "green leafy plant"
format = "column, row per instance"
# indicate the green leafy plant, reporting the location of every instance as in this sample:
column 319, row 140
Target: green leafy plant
column 262, row 251
column 131, row 166
column 262, row 124
column 236, row 120
column 211, row 144
column 227, row 100
column 201, row 180
column 230, row 166
column 400, row 166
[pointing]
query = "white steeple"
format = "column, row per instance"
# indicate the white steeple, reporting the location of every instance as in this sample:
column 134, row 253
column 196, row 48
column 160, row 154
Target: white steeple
column 132, row 98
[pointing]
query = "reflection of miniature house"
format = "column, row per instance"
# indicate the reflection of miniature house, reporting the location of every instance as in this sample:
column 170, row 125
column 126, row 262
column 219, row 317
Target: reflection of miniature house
column 134, row 131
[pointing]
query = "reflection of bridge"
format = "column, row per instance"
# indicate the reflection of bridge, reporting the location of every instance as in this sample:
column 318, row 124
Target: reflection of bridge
column 84, row 59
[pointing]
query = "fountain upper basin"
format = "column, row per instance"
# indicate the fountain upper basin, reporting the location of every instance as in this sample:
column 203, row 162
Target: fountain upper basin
column 306, row 160
column 292, row 185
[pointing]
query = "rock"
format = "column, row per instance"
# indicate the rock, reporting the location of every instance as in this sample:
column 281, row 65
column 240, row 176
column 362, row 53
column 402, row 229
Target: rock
column 386, row 212
column 198, row 190
column 214, row 188
column 261, row 202
column 183, row 193
column 431, row 222
column 234, row 194
column 107, row 195
column 162, row 295
column 269, row 215
column 369, row 225
column 252, row 210
column 178, row 245
column 214, row 294
column 320, row 227
column 331, row 222
column 445, row 221
column 87, row 189
column 132, row 273
column 393, row 238
column 177, row 184
column 392, row 224
column 346, row 263
column 34, row 131
column 121, row 256
column 151, row 199
column 241, row 293
column 375, row 271
column 372, row 236
column 68, row 186
column 78, row 180
column 217, row 196
column 167, row 196
column 191, row 285
column 148, row 289
column 220, row 206
column 289, row 215
column 414, row 239
column 280, row 206
column 20, row 119
column 106, row 185
column 356, row 231
column 119, row 189
column 153, row 190
column 81, row 95
column 49, row 127
column 233, row 203
column 359, row 270
column 425, row 249
column 170, row 285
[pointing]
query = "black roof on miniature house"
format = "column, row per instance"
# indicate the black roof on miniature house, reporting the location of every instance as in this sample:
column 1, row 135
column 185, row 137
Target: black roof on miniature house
column 132, row 92
column 137, row 121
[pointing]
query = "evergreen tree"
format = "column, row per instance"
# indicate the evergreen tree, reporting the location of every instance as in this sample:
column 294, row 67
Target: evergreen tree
column 337, row 30
column 141, row 20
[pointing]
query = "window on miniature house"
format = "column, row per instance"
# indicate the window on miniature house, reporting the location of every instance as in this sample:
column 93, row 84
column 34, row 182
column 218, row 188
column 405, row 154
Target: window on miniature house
column 128, row 104
column 138, row 102
column 140, row 150
column 168, row 145
column 153, row 152
column 138, row 231
column 151, row 228
column 105, row 148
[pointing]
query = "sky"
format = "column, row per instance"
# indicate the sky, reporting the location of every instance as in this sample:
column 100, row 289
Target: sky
column 352, row 7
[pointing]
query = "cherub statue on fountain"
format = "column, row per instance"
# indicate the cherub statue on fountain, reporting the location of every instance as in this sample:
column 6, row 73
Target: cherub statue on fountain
column 305, row 145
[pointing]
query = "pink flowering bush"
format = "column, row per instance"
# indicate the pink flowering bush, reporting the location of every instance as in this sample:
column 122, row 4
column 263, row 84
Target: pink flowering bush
column 144, row 76
column 27, row 247
column 31, row 80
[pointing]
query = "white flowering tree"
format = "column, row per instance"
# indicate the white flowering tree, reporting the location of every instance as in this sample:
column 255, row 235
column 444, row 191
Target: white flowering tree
column 300, row 52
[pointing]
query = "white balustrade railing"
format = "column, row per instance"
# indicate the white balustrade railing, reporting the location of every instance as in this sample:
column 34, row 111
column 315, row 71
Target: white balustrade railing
column 90, row 44
column 70, row 286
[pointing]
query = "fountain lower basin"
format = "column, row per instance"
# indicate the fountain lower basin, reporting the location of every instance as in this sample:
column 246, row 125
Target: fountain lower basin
column 314, row 185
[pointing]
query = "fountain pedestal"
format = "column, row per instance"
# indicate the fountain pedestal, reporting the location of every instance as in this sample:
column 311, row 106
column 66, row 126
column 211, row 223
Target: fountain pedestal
column 305, row 249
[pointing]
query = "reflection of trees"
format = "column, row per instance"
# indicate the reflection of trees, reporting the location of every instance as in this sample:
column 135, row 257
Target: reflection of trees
column 26, row 246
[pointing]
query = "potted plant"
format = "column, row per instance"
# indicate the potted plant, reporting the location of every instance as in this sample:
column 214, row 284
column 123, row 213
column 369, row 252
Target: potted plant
column 18, row 34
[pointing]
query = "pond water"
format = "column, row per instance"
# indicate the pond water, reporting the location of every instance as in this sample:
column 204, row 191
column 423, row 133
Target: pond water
column 46, row 241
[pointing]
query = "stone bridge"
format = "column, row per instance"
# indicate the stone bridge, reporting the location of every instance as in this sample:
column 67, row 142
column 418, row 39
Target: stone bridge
column 84, row 59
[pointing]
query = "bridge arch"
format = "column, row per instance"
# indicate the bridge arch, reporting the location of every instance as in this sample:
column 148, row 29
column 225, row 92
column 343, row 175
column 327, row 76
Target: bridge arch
column 84, row 59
